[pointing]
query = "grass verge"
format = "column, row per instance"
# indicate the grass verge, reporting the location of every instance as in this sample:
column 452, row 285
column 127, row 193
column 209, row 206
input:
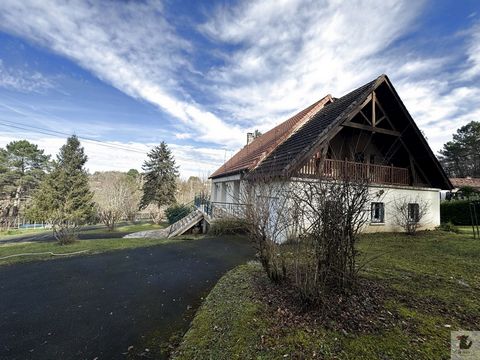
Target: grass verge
column 91, row 246
column 432, row 286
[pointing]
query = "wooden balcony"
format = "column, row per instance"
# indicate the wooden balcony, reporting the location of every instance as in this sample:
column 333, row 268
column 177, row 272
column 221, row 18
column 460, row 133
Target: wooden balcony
column 343, row 169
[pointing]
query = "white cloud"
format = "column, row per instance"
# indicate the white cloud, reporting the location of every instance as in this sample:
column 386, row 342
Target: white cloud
column 23, row 80
column 473, row 53
column 283, row 55
column 192, row 161
column 128, row 44
column 291, row 53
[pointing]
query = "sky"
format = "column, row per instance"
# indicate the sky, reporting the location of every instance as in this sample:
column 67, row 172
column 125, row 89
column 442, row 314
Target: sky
column 126, row 75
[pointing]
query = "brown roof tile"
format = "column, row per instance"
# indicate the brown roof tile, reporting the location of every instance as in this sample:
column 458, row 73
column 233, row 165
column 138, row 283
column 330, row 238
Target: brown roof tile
column 251, row 155
column 468, row 181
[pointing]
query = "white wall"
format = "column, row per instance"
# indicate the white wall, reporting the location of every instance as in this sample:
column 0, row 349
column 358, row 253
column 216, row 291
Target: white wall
column 411, row 195
column 228, row 189
column 389, row 194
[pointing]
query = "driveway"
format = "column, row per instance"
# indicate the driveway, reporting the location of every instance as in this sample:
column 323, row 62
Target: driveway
column 97, row 306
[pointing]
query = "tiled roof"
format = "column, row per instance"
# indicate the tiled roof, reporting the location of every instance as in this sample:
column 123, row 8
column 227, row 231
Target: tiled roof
column 306, row 137
column 280, row 151
column 468, row 181
column 251, row 155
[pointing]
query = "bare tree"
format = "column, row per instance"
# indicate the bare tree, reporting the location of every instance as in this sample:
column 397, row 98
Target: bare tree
column 409, row 213
column 115, row 197
column 155, row 213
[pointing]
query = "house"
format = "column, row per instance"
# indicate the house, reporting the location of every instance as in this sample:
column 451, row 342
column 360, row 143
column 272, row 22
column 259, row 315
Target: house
column 459, row 188
column 367, row 133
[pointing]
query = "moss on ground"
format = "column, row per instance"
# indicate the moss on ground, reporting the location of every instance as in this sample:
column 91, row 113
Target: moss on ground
column 432, row 285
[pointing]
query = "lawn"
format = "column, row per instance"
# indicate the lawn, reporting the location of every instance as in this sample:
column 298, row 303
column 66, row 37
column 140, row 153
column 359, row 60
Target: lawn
column 80, row 247
column 12, row 233
column 432, row 285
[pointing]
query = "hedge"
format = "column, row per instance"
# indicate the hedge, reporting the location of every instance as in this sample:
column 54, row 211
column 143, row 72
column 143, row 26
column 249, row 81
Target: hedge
column 456, row 212
column 177, row 211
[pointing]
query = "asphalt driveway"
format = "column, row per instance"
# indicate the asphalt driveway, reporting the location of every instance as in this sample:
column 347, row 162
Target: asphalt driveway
column 96, row 307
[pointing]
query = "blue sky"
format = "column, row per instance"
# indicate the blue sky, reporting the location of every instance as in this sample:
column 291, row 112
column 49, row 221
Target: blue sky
column 199, row 75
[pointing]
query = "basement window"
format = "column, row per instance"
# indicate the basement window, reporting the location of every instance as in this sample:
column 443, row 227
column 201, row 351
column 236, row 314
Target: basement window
column 413, row 212
column 377, row 213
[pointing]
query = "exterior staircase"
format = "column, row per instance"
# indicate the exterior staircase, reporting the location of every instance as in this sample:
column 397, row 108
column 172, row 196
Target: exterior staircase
column 184, row 224
column 177, row 228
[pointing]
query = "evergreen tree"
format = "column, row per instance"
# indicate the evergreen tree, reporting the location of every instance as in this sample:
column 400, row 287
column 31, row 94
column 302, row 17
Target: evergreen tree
column 160, row 174
column 461, row 156
column 64, row 198
column 22, row 167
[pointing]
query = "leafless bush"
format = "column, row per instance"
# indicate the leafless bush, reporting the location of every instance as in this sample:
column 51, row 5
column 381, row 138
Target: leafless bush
column 267, row 217
column 409, row 213
column 306, row 230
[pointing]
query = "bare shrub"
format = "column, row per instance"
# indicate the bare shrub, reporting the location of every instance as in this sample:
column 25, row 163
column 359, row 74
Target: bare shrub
column 267, row 218
column 305, row 232
column 409, row 213
column 329, row 216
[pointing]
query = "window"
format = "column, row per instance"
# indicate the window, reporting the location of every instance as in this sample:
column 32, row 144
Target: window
column 378, row 213
column 413, row 212
column 372, row 159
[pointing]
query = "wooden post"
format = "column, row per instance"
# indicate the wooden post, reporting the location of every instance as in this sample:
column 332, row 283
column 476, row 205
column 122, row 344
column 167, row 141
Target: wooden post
column 373, row 109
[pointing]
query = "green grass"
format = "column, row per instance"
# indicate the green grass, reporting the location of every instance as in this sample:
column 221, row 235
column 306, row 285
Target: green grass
column 143, row 226
column 91, row 246
column 86, row 247
column 433, row 284
column 12, row 233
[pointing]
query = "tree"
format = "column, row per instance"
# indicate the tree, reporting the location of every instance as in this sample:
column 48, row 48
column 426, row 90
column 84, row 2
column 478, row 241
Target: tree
column 187, row 189
column 116, row 195
column 160, row 175
column 64, row 198
column 22, row 167
column 460, row 157
column 133, row 174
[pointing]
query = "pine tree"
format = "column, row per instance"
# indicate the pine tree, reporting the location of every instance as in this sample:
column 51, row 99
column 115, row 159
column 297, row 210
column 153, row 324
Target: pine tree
column 64, row 198
column 160, row 174
column 460, row 157
column 22, row 167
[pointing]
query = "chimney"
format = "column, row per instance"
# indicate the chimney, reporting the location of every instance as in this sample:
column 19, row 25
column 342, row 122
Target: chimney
column 250, row 138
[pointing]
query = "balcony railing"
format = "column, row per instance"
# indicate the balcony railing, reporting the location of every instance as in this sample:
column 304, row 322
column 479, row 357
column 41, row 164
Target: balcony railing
column 216, row 209
column 343, row 169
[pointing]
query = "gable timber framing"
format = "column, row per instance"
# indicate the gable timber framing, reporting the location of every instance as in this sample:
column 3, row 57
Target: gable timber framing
column 329, row 132
column 345, row 120
column 362, row 109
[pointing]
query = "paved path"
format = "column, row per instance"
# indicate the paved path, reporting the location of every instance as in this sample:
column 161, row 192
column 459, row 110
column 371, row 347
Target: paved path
column 96, row 306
